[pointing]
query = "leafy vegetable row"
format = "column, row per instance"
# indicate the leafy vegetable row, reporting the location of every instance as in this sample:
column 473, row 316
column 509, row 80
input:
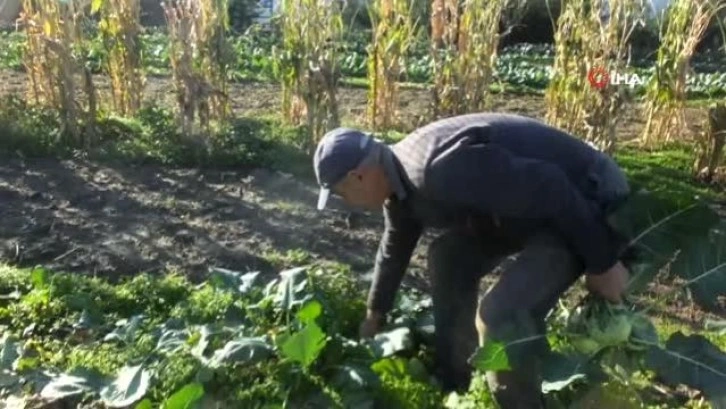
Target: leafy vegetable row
column 522, row 65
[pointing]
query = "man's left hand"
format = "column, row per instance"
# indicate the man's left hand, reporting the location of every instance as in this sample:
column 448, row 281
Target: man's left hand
column 611, row 284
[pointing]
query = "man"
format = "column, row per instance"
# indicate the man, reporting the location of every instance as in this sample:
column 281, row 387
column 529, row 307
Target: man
column 495, row 185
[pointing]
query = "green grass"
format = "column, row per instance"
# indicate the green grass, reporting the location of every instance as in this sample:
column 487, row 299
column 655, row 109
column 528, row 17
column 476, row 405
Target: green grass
column 667, row 172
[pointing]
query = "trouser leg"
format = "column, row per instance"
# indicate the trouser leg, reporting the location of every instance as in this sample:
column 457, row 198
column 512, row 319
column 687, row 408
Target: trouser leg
column 515, row 309
column 457, row 261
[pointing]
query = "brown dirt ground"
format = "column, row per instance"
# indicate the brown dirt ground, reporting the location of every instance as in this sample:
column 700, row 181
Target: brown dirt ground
column 118, row 220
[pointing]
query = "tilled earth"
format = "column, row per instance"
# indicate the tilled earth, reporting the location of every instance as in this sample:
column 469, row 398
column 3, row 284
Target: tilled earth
column 105, row 220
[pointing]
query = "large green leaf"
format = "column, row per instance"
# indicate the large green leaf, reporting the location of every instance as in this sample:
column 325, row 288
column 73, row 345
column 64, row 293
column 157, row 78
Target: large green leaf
column 310, row 311
column 305, row 345
column 693, row 361
column 657, row 229
column 248, row 351
column 492, row 356
column 126, row 330
column 291, row 289
column 72, row 384
column 184, row 398
column 205, row 334
column 65, row 386
column 130, row 385
column 233, row 280
column 171, row 340
column 144, row 404
column 9, row 352
column 702, row 263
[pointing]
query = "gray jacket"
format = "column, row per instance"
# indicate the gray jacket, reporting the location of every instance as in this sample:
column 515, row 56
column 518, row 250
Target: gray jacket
column 510, row 173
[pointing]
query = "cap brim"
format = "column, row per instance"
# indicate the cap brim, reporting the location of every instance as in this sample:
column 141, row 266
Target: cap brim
column 323, row 198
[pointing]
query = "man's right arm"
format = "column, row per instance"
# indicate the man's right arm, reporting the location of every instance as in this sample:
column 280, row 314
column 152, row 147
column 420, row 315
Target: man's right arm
column 399, row 239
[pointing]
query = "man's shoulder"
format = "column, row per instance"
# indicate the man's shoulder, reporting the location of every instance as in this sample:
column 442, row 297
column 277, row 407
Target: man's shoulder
column 416, row 150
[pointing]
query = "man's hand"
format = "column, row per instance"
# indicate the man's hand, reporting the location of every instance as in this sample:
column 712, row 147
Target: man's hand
column 371, row 324
column 611, row 284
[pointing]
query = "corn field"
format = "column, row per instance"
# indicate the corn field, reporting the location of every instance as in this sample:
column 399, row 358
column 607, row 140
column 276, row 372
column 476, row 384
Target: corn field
column 120, row 29
column 199, row 55
column 586, row 44
column 53, row 60
column 464, row 43
column 307, row 64
column 393, row 33
column 685, row 24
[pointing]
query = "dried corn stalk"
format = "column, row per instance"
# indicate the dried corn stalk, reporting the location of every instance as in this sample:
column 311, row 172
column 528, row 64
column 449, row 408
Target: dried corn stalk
column 54, row 52
column 393, row 33
column 199, row 55
column 587, row 41
column 307, row 64
column 465, row 38
column 120, row 29
column 686, row 23
column 711, row 145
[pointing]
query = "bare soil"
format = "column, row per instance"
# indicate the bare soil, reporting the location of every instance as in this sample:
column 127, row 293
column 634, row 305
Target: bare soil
column 115, row 220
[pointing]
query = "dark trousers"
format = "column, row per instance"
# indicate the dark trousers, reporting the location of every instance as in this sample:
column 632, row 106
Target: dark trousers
column 515, row 307
column 524, row 294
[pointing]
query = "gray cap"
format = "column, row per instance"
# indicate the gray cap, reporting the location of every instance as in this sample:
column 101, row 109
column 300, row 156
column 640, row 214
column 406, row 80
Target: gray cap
column 338, row 152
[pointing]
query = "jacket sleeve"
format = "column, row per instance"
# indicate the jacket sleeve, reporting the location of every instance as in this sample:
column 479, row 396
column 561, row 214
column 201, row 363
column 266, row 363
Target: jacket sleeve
column 490, row 178
column 400, row 236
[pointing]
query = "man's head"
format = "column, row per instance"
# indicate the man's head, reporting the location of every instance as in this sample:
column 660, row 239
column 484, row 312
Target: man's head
column 349, row 163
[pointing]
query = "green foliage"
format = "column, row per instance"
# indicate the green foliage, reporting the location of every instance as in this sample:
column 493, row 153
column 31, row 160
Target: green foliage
column 520, row 66
column 150, row 137
column 152, row 340
column 161, row 341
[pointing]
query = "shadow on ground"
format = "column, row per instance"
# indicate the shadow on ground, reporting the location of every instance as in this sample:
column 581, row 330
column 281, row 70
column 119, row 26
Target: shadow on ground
column 113, row 220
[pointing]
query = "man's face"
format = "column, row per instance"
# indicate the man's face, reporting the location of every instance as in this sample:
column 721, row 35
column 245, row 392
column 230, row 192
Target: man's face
column 362, row 188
